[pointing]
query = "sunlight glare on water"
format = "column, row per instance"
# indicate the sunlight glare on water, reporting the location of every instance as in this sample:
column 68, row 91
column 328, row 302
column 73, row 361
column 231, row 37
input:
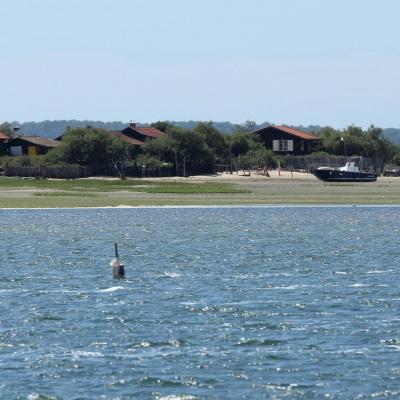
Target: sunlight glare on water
column 274, row 303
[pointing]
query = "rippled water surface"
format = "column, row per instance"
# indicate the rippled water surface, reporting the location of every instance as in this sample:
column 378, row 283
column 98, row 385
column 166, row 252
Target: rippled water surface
column 219, row 303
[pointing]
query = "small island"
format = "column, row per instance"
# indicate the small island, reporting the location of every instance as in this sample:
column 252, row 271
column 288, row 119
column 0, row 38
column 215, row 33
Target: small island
column 163, row 164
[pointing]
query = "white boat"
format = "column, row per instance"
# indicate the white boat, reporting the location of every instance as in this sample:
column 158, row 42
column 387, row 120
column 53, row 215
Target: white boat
column 352, row 171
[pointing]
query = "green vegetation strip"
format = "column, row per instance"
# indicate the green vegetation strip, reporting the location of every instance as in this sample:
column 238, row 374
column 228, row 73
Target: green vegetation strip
column 62, row 194
column 83, row 186
column 188, row 188
column 20, row 193
column 70, row 184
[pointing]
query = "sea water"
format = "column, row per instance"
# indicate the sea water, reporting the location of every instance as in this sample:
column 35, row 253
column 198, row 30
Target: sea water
column 218, row 303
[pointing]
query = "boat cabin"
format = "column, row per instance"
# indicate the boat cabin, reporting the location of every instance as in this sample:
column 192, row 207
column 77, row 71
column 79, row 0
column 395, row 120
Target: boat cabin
column 353, row 164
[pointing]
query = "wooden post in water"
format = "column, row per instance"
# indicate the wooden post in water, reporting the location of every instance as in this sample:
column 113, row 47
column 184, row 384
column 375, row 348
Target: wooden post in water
column 116, row 250
column 118, row 269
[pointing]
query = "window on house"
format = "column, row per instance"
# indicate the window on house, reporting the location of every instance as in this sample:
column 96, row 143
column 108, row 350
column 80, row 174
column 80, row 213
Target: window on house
column 282, row 145
column 16, row 150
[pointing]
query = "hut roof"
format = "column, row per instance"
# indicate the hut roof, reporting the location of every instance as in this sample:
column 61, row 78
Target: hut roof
column 149, row 131
column 127, row 139
column 291, row 131
column 296, row 132
column 40, row 141
column 3, row 136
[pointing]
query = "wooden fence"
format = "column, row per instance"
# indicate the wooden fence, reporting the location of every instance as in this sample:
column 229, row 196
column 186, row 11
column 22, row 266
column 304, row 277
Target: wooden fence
column 47, row 172
column 74, row 172
column 294, row 163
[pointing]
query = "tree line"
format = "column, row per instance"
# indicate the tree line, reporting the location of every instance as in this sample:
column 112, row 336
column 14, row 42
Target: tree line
column 203, row 149
column 356, row 141
column 197, row 150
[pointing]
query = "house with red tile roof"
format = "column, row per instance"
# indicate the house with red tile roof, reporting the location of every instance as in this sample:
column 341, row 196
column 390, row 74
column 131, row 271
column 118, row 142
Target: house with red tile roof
column 136, row 136
column 3, row 141
column 3, row 137
column 283, row 140
column 141, row 134
column 132, row 134
column 127, row 139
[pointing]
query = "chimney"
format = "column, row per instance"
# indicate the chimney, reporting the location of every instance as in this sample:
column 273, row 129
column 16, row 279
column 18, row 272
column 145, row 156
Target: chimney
column 132, row 124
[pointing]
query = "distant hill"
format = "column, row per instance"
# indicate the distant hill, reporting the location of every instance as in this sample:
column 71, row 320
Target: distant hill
column 53, row 129
column 393, row 134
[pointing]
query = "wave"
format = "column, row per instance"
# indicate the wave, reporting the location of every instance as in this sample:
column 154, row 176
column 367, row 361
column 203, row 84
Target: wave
column 88, row 354
column 112, row 289
column 41, row 396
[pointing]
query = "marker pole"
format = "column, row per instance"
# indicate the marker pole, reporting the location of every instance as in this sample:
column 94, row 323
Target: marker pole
column 116, row 250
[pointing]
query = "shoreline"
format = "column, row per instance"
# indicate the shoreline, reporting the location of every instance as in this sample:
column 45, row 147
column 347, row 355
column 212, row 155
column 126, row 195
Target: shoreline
column 285, row 190
column 122, row 207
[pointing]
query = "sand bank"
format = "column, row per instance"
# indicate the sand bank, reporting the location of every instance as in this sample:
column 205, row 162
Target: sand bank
column 284, row 188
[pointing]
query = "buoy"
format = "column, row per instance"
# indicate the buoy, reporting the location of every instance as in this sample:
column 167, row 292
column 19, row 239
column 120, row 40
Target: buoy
column 118, row 269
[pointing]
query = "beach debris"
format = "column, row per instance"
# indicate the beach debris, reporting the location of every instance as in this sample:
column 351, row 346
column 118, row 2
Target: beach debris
column 118, row 269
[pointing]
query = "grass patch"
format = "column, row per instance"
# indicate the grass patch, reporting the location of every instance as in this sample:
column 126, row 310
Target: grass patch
column 70, row 184
column 134, row 185
column 62, row 194
column 190, row 188
column 18, row 193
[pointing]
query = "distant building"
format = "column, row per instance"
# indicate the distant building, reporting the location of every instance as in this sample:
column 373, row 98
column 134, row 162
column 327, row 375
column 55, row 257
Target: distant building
column 29, row 145
column 3, row 137
column 132, row 134
column 3, row 141
column 136, row 136
column 127, row 139
column 141, row 134
column 285, row 140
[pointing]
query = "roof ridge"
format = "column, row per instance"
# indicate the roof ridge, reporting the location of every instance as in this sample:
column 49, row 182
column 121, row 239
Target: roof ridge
column 291, row 131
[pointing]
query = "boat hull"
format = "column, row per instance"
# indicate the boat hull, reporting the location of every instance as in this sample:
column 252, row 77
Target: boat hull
column 333, row 175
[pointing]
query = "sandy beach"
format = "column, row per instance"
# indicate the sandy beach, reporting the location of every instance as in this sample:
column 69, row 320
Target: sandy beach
column 280, row 188
column 243, row 175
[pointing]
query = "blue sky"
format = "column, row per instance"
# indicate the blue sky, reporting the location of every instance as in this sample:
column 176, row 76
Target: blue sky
column 328, row 62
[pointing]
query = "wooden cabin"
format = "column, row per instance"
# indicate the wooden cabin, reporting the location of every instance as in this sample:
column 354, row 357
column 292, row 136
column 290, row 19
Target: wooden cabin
column 3, row 140
column 285, row 140
column 3, row 137
column 141, row 134
column 132, row 134
column 127, row 139
column 29, row 146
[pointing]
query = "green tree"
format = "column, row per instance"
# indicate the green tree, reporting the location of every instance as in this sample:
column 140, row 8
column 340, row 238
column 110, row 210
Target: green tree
column 396, row 158
column 214, row 139
column 355, row 141
column 239, row 143
column 8, row 130
column 258, row 157
column 162, row 126
column 184, row 148
column 89, row 146
column 248, row 126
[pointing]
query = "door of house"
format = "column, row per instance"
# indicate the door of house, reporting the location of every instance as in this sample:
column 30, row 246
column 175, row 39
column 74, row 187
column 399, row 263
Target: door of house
column 32, row 151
